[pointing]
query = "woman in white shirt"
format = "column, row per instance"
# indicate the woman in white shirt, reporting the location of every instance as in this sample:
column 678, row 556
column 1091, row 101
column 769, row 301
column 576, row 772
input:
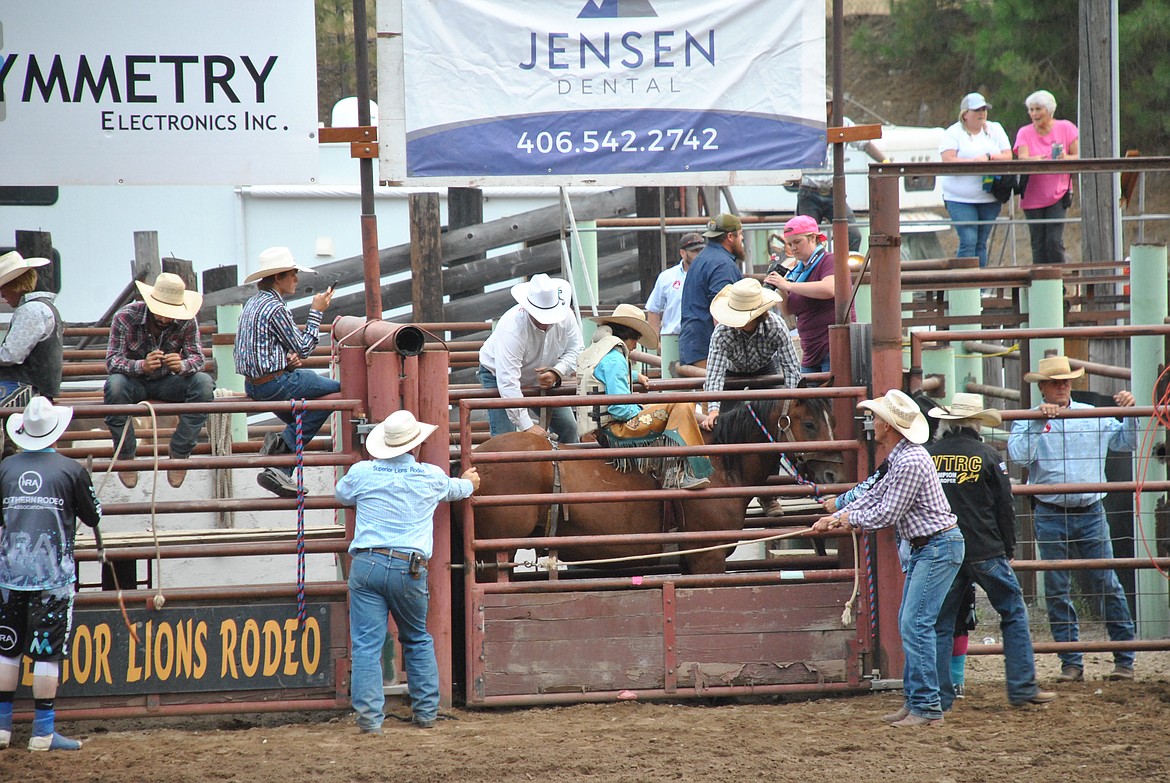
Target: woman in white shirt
column 968, row 198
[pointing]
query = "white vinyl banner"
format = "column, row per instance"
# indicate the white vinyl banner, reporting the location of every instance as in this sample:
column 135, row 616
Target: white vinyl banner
column 157, row 92
column 612, row 90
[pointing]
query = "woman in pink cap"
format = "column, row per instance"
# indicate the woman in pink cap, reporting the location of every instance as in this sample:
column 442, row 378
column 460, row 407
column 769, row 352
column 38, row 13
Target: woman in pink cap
column 808, row 291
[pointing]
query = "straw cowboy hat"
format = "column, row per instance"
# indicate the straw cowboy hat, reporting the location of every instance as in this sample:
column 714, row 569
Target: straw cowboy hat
column 170, row 298
column 901, row 412
column 398, row 434
column 273, row 261
column 634, row 318
column 967, row 406
column 545, row 298
column 740, row 303
column 13, row 265
column 1054, row 368
column 39, row 425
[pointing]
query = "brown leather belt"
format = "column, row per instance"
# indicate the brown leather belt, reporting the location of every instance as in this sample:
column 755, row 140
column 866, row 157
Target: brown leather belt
column 920, row 541
column 266, row 378
column 393, row 553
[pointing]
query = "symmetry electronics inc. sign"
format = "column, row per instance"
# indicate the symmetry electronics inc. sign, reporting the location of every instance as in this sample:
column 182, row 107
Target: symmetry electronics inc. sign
column 157, row 92
column 608, row 91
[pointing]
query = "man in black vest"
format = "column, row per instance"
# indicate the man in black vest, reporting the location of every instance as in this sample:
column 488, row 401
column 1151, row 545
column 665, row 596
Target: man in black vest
column 30, row 356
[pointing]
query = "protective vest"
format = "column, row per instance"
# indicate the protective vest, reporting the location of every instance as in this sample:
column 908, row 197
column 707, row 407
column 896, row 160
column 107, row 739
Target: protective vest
column 41, row 369
column 587, row 382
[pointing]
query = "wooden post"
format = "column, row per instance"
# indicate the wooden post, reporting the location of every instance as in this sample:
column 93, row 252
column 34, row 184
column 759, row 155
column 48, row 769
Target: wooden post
column 146, row 265
column 648, row 202
column 184, row 269
column 1099, row 193
column 465, row 208
column 426, row 257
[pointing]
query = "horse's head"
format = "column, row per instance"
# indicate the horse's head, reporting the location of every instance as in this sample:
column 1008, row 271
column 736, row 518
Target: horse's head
column 784, row 421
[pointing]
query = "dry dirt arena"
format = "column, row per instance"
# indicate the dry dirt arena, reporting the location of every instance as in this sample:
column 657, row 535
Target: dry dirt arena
column 1097, row 731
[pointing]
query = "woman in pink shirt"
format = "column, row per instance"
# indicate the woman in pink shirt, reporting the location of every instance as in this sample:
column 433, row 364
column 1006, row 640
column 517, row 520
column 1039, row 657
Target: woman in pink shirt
column 1048, row 196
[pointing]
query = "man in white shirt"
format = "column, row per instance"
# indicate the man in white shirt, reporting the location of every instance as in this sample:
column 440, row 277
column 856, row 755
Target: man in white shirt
column 664, row 307
column 535, row 343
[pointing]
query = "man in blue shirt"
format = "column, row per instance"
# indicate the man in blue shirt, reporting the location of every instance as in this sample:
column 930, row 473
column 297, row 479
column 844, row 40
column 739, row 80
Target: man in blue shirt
column 1057, row 449
column 714, row 269
column 393, row 537
column 664, row 307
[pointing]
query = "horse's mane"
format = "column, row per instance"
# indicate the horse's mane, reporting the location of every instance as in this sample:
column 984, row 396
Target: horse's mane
column 738, row 425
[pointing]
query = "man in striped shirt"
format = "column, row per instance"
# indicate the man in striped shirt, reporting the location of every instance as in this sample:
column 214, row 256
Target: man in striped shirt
column 269, row 351
column 910, row 498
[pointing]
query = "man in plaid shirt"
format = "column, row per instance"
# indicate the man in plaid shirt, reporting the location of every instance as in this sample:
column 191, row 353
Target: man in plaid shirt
column 750, row 340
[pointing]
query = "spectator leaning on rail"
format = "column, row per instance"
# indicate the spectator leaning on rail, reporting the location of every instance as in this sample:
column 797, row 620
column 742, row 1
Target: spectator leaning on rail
column 30, row 356
column 269, row 352
column 715, row 268
column 975, row 481
column 604, row 368
column 536, row 343
column 664, row 307
column 155, row 353
column 909, row 497
column 1047, row 197
column 1059, row 450
column 44, row 495
column 393, row 537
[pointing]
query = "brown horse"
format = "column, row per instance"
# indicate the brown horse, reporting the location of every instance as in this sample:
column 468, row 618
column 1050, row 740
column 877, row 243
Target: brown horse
column 755, row 422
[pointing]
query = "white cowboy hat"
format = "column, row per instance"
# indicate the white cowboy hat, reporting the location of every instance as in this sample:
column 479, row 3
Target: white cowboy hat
column 398, row 434
column 273, row 261
column 39, row 425
column 967, row 406
column 901, row 412
column 1054, row 368
column 545, row 298
column 741, row 302
column 634, row 318
column 13, row 265
column 170, row 298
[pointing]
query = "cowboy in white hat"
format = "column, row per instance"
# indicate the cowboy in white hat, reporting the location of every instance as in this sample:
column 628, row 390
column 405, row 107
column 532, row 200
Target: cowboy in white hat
column 1061, row 447
column 396, row 497
column 535, row 343
column 974, row 479
column 45, row 494
column 31, row 354
column 750, row 340
column 604, row 368
column 155, row 353
column 269, row 351
column 715, row 267
column 910, row 498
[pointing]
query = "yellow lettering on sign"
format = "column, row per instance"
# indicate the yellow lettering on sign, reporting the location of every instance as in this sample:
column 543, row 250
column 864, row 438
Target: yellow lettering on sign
column 228, row 635
column 200, row 667
column 164, row 651
column 271, row 647
column 311, row 645
column 184, row 648
column 103, row 641
column 133, row 670
column 290, row 647
column 250, row 648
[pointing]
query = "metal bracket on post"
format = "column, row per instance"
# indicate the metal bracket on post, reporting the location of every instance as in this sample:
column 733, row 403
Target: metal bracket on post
column 866, row 427
column 885, row 240
column 362, row 428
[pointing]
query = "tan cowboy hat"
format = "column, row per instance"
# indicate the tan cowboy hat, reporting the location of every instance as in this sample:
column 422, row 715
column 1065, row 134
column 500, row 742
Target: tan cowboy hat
column 633, row 317
column 398, row 434
column 170, row 298
column 967, row 406
column 742, row 302
column 1054, row 368
column 39, row 425
column 898, row 410
column 544, row 298
column 13, row 265
column 273, row 261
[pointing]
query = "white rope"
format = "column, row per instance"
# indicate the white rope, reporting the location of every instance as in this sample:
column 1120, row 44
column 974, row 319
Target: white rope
column 219, row 433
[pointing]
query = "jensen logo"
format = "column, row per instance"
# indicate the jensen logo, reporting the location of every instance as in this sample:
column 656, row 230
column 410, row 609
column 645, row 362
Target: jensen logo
column 30, row 482
column 612, row 9
column 7, row 639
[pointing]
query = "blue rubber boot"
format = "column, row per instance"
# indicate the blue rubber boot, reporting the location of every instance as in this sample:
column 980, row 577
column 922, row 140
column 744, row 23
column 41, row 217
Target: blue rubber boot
column 44, row 737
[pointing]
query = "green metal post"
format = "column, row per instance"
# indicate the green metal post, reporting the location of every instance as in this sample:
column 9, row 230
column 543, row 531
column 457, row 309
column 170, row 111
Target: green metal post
column 585, row 269
column 968, row 367
column 227, row 319
column 940, row 360
column 1045, row 308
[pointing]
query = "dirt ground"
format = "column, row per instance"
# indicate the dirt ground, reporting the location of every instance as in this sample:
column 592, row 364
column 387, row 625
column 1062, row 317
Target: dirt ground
column 1096, row 731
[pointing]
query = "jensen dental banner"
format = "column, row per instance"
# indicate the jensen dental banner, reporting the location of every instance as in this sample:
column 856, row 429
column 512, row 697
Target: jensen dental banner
column 609, row 91
column 158, row 92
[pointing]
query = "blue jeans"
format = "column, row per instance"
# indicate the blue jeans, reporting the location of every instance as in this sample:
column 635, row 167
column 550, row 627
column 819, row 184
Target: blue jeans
column 127, row 390
column 1061, row 535
column 819, row 206
column 973, row 236
column 929, row 576
column 998, row 580
column 562, row 421
column 1047, row 238
column 296, row 385
column 379, row 587
column 822, row 367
